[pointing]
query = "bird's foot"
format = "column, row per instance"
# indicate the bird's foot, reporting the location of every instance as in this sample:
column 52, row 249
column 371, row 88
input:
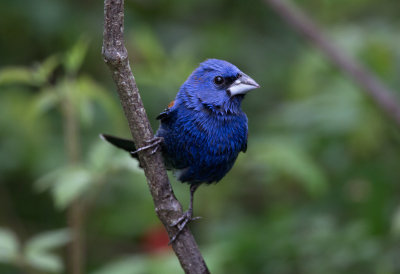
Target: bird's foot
column 153, row 143
column 181, row 223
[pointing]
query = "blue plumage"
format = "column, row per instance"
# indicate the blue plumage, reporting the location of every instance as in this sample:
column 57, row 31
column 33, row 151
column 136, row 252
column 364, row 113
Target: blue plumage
column 202, row 146
column 204, row 129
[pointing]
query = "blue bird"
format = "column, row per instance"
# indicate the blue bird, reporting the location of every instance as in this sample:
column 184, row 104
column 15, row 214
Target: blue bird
column 203, row 130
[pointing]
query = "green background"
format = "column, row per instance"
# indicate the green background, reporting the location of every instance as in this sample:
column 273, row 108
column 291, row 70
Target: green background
column 317, row 191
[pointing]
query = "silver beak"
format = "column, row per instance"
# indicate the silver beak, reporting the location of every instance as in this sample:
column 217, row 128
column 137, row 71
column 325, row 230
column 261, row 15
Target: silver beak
column 242, row 85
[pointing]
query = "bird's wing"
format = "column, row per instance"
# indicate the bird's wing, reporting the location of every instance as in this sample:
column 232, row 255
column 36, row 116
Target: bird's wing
column 244, row 147
column 163, row 115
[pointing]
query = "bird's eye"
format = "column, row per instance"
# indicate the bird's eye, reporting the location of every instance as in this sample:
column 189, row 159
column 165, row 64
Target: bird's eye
column 218, row 80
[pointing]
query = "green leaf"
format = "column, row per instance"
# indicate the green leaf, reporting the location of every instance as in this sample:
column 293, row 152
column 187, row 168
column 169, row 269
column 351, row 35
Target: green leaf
column 46, row 68
column 47, row 181
column 37, row 250
column 47, row 241
column 66, row 184
column 103, row 158
column 30, row 76
column 19, row 75
column 124, row 161
column 44, row 101
column 74, row 58
column 45, row 262
column 9, row 246
column 99, row 156
column 70, row 185
column 86, row 92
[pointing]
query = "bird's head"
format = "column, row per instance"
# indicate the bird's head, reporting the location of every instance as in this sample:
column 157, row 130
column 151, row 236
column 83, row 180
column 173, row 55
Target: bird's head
column 216, row 85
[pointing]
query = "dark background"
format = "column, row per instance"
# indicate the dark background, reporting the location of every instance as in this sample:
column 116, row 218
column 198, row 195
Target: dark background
column 316, row 192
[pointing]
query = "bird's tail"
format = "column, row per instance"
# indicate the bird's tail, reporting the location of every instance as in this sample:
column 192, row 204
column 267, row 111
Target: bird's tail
column 121, row 143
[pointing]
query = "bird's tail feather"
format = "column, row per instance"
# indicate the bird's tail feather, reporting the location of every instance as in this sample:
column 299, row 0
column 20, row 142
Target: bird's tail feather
column 121, row 143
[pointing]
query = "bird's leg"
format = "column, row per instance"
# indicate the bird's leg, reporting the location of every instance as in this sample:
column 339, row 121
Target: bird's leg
column 153, row 143
column 187, row 216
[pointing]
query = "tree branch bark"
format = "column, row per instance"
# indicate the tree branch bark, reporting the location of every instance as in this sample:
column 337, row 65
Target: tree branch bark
column 167, row 207
column 382, row 96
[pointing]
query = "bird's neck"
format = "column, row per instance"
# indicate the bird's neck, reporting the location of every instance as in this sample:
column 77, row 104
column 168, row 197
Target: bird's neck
column 228, row 107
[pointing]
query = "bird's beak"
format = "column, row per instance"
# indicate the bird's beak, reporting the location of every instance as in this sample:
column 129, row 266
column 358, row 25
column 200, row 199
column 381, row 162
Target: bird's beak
column 242, row 85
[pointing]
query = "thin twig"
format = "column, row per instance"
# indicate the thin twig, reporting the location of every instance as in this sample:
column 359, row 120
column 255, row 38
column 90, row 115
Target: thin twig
column 382, row 96
column 167, row 206
column 76, row 211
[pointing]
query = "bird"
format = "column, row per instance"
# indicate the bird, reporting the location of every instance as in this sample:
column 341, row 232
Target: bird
column 203, row 130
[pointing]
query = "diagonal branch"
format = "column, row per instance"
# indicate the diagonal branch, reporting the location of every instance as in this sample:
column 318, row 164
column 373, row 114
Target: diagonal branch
column 382, row 96
column 167, row 206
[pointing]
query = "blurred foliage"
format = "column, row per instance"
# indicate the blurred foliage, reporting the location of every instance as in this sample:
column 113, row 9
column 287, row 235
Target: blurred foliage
column 36, row 252
column 317, row 191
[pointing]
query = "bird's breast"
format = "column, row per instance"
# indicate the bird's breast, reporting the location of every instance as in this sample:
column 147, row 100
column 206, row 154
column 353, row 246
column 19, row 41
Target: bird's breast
column 205, row 147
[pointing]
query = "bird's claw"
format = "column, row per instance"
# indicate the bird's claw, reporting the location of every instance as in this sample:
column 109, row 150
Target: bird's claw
column 153, row 143
column 181, row 223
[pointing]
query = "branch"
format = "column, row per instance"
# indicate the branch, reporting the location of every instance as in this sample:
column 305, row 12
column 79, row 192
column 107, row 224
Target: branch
column 382, row 96
column 167, row 206
column 76, row 211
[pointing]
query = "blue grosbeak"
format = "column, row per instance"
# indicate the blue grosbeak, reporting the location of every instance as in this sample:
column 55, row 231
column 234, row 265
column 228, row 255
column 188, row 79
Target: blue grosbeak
column 204, row 128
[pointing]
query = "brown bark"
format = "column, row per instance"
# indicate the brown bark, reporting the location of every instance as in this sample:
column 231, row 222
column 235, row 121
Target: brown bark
column 167, row 207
